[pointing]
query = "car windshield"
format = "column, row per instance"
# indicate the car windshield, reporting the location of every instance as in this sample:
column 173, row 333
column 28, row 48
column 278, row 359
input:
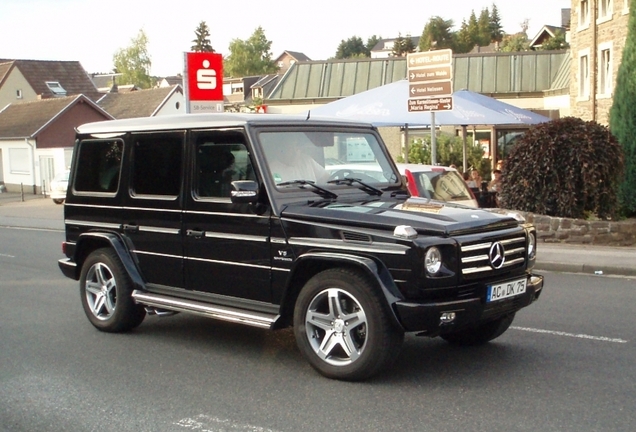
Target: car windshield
column 63, row 176
column 441, row 185
column 322, row 157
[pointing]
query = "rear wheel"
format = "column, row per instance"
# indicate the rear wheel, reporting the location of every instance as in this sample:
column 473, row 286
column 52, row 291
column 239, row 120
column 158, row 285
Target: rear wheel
column 481, row 334
column 58, row 201
column 342, row 328
column 106, row 290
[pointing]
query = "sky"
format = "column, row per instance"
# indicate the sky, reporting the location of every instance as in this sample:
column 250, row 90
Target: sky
column 91, row 31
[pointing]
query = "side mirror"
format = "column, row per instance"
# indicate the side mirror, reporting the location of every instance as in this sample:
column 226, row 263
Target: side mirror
column 244, row 192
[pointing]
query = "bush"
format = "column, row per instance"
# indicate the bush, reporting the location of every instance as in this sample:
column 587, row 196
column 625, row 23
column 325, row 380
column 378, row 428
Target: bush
column 450, row 151
column 565, row 168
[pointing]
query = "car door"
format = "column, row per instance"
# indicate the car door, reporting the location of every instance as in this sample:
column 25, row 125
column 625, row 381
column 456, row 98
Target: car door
column 153, row 207
column 226, row 245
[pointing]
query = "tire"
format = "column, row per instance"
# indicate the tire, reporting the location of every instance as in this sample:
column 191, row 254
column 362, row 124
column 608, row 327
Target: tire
column 106, row 289
column 480, row 335
column 342, row 327
column 58, row 201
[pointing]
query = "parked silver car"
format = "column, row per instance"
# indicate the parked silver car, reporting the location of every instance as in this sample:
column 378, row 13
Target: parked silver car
column 59, row 184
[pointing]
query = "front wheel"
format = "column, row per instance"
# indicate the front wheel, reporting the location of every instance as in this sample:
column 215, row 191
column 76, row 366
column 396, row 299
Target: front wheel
column 106, row 290
column 342, row 327
column 481, row 334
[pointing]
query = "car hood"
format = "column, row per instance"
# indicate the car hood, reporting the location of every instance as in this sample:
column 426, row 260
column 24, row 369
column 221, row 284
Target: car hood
column 424, row 215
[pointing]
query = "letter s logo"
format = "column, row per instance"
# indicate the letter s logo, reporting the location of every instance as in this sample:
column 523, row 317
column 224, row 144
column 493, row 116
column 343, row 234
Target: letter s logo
column 206, row 78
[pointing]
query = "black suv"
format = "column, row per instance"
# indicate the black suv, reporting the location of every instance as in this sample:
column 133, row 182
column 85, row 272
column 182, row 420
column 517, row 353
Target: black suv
column 276, row 221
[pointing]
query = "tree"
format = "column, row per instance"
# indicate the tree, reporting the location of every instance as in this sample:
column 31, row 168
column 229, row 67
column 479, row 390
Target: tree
column 514, row 43
column 250, row 57
column 408, row 47
column 449, row 150
column 398, row 45
column 483, row 28
column 202, row 41
column 622, row 118
column 566, row 168
column 437, row 34
column 463, row 40
column 402, row 46
column 133, row 62
column 558, row 42
column 352, row 48
column 496, row 30
column 372, row 42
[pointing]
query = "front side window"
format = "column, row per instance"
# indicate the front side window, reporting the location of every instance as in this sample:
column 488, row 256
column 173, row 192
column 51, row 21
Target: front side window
column 221, row 158
column 156, row 164
column 99, row 166
column 319, row 157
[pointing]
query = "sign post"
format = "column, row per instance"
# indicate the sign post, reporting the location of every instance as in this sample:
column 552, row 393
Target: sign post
column 430, row 86
column 203, row 82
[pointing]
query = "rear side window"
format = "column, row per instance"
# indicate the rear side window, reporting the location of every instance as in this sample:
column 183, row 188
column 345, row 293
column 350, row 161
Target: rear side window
column 156, row 166
column 99, row 166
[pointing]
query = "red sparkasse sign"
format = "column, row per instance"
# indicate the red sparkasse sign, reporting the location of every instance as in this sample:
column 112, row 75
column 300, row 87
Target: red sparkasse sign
column 205, row 76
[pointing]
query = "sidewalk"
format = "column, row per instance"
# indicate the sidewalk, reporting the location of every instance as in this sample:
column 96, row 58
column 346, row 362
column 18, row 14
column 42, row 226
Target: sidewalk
column 39, row 212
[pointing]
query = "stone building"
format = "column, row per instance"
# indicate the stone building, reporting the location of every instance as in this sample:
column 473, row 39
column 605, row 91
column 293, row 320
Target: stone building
column 597, row 37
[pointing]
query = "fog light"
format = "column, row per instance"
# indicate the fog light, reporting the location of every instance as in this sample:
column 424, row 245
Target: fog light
column 447, row 317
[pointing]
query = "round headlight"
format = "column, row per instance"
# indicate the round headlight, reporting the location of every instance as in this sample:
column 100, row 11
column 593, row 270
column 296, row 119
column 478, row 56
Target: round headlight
column 433, row 260
column 532, row 245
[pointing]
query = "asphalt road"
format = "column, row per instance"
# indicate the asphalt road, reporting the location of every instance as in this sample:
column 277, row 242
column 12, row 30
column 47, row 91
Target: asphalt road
column 566, row 365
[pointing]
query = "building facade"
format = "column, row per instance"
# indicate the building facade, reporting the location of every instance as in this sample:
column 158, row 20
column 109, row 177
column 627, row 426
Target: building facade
column 597, row 39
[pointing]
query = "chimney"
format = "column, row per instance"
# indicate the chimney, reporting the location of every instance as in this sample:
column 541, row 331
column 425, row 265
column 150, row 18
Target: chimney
column 114, row 88
column 565, row 18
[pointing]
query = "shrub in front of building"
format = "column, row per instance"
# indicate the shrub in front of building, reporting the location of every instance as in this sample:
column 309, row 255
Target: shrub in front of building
column 566, row 168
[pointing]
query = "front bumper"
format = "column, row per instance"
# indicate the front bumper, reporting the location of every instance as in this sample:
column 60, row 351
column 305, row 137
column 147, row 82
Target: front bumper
column 426, row 317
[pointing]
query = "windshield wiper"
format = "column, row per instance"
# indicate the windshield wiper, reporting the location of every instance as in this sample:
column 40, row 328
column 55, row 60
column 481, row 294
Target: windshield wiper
column 317, row 189
column 365, row 186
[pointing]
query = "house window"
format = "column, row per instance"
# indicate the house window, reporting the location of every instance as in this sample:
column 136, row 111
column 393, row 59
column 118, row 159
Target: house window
column 19, row 161
column 584, row 14
column 584, row 75
column 281, row 64
column 605, row 10
column 18, row 94
column 626, row 6
column 56, row 88
column 605, row 70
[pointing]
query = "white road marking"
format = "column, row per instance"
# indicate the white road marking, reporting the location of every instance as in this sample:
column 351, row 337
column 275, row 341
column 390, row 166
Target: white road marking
column 580, row 336
column 6, row 255
column 31, row 228
column 206, row 423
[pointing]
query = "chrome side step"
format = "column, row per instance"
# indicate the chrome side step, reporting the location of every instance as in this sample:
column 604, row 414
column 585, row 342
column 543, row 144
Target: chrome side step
column 224, row 313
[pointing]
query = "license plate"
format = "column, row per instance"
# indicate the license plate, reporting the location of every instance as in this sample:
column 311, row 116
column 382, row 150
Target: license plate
column 506, row 290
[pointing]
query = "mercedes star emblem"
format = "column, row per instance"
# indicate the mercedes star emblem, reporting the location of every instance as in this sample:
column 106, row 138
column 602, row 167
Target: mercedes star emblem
column 496, row 255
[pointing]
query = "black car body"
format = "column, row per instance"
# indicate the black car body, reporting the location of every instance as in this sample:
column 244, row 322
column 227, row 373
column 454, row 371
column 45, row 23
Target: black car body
column 196, row 214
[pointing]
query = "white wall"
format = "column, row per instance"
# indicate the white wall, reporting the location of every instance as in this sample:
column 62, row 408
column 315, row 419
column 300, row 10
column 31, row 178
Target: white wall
column 174, row 105
column 25, row 176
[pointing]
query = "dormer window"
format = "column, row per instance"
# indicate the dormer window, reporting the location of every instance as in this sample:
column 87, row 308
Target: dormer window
column 56, row 88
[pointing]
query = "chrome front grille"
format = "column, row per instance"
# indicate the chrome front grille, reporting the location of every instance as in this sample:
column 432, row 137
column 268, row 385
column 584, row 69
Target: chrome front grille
column 476, row 259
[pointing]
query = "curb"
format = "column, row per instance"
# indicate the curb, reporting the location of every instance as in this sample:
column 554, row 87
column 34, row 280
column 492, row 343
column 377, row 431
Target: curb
column 586, row 269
